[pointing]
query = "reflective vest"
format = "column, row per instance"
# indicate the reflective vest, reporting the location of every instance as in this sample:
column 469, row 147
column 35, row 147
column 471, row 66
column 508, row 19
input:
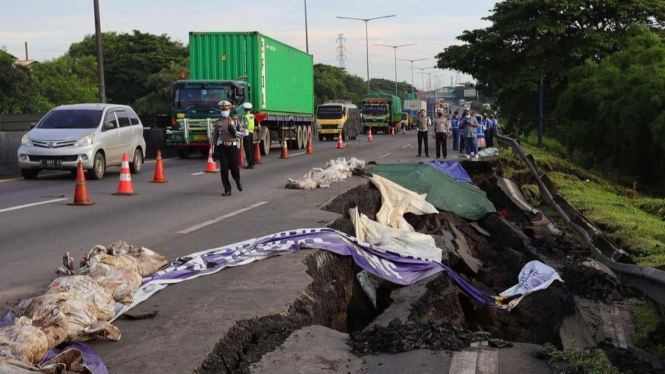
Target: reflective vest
column 249, row 122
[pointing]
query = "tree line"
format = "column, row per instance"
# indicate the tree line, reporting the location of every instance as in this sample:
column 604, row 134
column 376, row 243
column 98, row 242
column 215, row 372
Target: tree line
column 602, row 68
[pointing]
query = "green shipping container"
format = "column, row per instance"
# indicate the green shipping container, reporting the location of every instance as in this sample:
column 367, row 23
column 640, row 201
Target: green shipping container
column 281, row 78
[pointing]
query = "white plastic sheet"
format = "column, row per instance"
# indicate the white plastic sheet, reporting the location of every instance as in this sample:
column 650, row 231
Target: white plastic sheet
column 402, row 242
column 397, row 201
column 534, row 276
column 488, row 152
column 336, row 171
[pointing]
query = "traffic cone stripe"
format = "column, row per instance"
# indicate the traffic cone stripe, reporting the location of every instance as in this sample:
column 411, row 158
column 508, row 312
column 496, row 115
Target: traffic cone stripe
column 125, row 177
column 125, row 184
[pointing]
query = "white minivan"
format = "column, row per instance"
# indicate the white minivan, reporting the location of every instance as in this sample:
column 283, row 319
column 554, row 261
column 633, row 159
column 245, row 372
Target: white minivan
column 95, row 134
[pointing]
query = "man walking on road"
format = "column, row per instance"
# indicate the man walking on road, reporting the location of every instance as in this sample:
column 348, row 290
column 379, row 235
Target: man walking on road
column 248, row 139
column 422, row 122
column 441, row 134
column 468, row 127
column 226, row 145
column 454, row 124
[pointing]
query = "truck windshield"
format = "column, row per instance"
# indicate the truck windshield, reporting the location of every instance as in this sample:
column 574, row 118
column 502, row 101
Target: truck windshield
column 200, row 95
column 71, row 119
column 329, row 112
column 374, row 110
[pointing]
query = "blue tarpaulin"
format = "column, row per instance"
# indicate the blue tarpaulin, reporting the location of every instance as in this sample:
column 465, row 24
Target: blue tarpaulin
column 452, row 168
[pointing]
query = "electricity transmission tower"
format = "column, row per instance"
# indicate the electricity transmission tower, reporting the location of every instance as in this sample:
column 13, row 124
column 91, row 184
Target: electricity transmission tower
column 341, row 51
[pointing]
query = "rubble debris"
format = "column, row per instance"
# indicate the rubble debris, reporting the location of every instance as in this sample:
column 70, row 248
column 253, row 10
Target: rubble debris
column 335, row 171
column 365, row 197
column 21, row 341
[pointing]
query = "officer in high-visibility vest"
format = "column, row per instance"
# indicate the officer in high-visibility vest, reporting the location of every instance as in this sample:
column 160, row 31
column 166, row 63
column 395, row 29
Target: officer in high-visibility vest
column 248, row 139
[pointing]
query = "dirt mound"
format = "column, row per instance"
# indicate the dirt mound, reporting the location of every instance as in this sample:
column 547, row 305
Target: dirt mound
column 343, row 225
column 591, row 284
column 400, row 337
column 366, row 197
column 441, row 300
column 628, row 362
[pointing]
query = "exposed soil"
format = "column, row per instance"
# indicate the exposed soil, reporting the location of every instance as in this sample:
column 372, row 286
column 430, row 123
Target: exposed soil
column 591, row 284
column 366, row 197
column 628, row 361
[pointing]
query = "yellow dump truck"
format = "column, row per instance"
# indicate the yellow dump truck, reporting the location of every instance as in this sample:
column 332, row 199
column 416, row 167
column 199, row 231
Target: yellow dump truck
column 338, row 115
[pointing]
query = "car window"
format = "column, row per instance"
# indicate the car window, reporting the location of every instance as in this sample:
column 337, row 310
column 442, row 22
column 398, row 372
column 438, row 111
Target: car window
column 71, row 119
column 110, row 118
column 133, row 118
column 123, row 120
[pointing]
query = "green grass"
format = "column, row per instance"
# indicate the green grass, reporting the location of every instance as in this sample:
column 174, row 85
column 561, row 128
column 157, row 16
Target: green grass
column 631, row 220
column 593, row 361
column 647, row 320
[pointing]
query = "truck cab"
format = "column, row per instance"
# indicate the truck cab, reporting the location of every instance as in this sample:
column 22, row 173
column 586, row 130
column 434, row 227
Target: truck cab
column 337, row 115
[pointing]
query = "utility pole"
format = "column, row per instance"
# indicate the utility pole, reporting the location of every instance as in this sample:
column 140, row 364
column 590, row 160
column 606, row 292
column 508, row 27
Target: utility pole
column 306, row 31
column 341, row 57
column 366, row 20
column 413, row 86
column 394, row 47
column 541, row 99
column 100, row 54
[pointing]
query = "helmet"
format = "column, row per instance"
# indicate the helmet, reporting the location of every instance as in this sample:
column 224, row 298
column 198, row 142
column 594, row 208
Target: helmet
column 247, row 106
column 224, row 104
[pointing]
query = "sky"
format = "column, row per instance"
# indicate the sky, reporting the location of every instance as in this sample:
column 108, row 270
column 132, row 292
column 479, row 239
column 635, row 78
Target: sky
column 51, row 26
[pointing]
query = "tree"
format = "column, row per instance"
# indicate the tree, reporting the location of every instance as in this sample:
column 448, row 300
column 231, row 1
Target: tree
column 533, row 39
column 615, row 109
column 158, row 101
column 17, row 88
column 65, row 80
column 130, row 60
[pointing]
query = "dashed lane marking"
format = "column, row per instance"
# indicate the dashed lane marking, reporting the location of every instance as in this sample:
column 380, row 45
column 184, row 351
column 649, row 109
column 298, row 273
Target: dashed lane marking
column 406, row 146
column 386, row 155
column 219, row 219
column 199, row 173
column 31, row 205
column 297, row 154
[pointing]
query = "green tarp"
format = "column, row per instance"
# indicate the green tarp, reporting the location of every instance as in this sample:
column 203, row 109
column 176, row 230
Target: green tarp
column 444, row 192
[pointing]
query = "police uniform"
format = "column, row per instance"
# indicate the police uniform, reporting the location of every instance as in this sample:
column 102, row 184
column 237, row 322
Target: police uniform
column 226, row 146
column 248, row 139
column 422, row 123
column 440, row 135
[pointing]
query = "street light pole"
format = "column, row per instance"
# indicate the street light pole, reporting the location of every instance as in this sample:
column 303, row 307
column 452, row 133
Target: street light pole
column 306, row 31
column 100, row 54
column 412, row 61
column 394, row 47
column 366, row 20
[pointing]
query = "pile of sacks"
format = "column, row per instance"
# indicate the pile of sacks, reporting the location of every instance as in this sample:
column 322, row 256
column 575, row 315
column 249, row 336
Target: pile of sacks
column 336, row 171
column 80, row 305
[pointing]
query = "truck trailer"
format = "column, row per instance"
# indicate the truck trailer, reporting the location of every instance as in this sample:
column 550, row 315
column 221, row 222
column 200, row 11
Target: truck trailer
column 381, row 111
column 278, row 80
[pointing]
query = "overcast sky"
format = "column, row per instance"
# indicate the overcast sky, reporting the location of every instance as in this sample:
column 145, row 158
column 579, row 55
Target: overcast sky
column 51, row 26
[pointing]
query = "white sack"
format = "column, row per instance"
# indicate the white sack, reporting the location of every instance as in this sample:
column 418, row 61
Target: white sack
column 534, row 276
column 488, row 152
column 397, row 201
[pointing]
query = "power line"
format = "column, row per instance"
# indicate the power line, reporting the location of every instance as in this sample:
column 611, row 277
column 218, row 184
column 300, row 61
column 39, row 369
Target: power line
column 341, row 51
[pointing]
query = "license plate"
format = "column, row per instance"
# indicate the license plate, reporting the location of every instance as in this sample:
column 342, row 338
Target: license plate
column 51, row 163
column 200, row 137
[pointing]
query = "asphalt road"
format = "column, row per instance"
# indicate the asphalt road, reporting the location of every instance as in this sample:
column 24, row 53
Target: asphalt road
column 186, row 215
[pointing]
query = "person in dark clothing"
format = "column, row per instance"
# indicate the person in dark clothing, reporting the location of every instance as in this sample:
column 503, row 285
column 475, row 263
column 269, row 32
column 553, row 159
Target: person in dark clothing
column 441, row 134
column 226, row 147
column 423, row 127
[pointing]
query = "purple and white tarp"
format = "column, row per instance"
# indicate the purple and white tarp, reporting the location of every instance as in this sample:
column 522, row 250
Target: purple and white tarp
column 396, row 268
column 451, row 168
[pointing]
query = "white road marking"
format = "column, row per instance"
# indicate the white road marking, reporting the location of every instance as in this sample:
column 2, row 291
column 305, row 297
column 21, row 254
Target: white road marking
column 488, row 360
column 199, row 173
column 479, row 358
column 386, row 155
column 406, row 146
column 219, row 219
column 30, row 205
column 464, row 362
column 297, row 154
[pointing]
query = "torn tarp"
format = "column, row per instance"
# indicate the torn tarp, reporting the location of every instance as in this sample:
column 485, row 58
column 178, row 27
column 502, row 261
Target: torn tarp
column 451, row 168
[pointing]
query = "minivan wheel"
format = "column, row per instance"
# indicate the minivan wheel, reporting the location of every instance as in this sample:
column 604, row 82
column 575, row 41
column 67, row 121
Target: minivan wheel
column 98, row 167
column 137, row 162
column 29, row 174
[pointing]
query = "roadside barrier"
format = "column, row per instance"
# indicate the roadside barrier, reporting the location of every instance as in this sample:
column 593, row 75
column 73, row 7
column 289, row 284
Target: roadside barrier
column 211, row 166
column 125, row 186
column 648, row 280
column 81, row 190
column 159, row 169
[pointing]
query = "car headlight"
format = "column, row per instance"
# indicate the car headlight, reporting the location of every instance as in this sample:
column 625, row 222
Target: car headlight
column 25, row 140
column 86, row 140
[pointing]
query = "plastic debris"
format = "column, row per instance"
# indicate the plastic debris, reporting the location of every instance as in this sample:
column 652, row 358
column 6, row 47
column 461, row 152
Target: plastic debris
column 397, row 201
column 336, row 171
column 23, row 342
column 488, row 152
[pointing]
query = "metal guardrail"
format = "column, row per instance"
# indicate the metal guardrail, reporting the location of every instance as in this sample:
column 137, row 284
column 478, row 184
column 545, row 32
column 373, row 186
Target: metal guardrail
column 648, row 280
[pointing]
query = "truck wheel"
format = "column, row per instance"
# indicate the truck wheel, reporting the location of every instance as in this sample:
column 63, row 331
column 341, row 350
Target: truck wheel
column 183, row 153
column 98, row 167
column 299, row 137
column 264, row 146
column 29, row 174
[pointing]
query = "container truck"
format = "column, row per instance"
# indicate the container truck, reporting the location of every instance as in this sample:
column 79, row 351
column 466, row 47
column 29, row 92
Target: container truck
column 278, row 80
column 381, row 111
column 416, row 105
column 334, row 116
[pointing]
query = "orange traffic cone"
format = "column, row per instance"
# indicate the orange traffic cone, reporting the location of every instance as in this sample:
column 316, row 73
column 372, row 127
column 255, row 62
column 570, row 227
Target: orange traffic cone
column 393, row 132
column 257, row 153
column 369, row 137
column 340, row 143
column 125, row 186
column 285, row 150
column 159, row 170
column 310, row 149
column 404, row 130
column 241, row 154
column 81, row 190
column 211, row 166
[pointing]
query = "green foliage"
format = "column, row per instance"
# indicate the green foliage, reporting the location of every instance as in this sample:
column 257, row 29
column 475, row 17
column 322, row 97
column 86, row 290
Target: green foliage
column 17, row 89
column 624, row 95
column 592, row 361
column 66, row 80
column 161, row 83
column 647, row 322
column 533, row 39
column 130, row 60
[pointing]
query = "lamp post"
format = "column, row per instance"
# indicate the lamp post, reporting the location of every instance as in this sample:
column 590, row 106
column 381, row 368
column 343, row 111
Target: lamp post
column 366, row 20
column 412, row 61
column 306, row 31
column 394, row 47
column 100, row 54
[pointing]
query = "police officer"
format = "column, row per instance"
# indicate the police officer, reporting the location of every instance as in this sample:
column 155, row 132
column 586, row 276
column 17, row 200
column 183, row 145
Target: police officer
column 248, row 139
column 440, row 134
column 226, row 146
column 422, row 122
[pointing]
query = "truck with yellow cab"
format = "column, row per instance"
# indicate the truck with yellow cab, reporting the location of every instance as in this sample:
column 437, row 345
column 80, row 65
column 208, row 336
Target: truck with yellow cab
column 334, row 116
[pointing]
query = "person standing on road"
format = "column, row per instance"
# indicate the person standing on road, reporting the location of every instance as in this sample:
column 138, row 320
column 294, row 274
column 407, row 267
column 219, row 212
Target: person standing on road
column 480, row 133
column 454, row 124
column 493, row 124
column 441, row 134
column 468, row 127
column 226, row 145
column 248, row 139
column 422, row 122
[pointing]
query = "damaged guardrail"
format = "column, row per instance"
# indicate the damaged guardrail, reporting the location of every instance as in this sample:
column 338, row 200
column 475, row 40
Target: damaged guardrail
column 648, row 280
